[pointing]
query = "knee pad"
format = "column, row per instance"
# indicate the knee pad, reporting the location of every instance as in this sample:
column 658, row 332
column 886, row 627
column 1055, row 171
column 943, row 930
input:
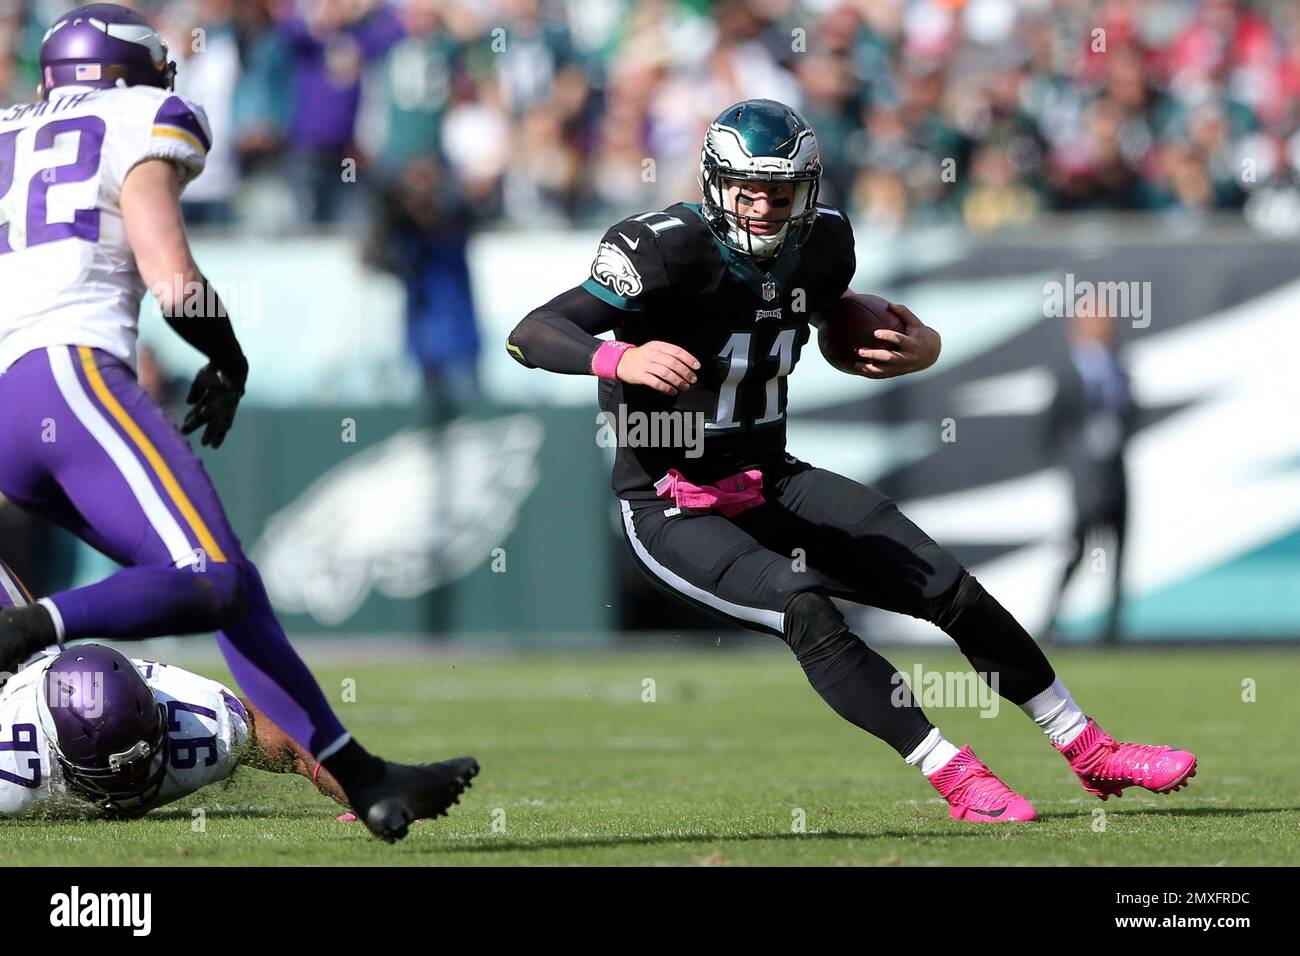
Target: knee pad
column 812, row 624
column 945, row 609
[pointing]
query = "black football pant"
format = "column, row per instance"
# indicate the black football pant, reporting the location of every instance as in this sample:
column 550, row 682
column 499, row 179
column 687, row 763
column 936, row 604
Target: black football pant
column 775, row 567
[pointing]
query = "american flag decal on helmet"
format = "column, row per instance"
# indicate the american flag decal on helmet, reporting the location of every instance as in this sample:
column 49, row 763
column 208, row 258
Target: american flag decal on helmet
column 88, row 71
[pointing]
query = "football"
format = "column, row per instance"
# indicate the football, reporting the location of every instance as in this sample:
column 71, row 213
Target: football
column 851, row 325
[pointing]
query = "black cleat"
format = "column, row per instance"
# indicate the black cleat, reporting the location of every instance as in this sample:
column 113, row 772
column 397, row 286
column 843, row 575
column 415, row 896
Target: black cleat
column 407, row 793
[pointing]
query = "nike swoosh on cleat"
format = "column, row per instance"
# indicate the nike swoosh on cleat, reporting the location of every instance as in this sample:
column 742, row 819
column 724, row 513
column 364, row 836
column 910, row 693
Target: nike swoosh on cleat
column 989, row 813
column 630, row 244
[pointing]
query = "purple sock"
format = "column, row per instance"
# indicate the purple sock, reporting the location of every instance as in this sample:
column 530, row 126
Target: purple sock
column 275, row 677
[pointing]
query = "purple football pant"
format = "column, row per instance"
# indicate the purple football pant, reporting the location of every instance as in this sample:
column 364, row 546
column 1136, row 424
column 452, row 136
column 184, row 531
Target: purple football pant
column 82, row 445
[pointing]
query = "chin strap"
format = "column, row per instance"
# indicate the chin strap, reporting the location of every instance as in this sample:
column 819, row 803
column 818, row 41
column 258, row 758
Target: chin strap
column 760, row 245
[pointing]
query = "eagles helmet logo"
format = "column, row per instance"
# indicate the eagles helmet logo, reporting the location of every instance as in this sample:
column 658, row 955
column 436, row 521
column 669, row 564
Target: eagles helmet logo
column 614, row 270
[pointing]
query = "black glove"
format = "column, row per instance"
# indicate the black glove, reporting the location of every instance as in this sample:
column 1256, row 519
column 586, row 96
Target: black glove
column 215, row 397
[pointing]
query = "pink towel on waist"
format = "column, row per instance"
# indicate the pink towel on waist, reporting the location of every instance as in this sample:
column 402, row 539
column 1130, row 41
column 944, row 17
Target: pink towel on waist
column 729, row 497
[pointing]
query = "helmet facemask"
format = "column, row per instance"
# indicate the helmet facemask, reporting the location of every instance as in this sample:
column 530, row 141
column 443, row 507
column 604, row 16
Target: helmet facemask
column 131, row 779
column 734, row 226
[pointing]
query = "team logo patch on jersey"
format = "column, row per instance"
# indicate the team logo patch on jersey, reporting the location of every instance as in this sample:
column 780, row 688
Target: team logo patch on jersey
column 614, row 269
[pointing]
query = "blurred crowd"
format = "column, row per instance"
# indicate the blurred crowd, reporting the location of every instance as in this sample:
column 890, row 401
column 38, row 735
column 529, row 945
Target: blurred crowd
column 543, row 112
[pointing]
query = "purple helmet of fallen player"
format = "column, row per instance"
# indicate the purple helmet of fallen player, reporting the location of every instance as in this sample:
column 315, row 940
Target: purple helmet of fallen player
column 105, row 728
column 101, row 44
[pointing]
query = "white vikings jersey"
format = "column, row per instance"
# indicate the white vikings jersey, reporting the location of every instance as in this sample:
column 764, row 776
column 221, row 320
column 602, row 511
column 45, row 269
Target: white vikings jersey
column 66, row 269
column 207, row 731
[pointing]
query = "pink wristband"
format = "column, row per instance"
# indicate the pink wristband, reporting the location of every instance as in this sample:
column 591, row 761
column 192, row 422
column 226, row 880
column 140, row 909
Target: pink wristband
column 605, row 362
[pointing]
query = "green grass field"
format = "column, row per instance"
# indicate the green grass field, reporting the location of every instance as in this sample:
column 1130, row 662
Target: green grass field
column 578, row 769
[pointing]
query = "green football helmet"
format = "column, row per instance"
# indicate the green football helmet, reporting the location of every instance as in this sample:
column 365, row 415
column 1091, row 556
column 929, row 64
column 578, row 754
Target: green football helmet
column 760, row 141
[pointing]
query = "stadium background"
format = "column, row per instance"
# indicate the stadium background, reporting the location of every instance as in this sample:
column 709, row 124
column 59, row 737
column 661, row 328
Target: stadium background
column 392, row 186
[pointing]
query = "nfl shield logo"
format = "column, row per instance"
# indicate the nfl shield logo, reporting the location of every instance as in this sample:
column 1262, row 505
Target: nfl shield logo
column 769, row 290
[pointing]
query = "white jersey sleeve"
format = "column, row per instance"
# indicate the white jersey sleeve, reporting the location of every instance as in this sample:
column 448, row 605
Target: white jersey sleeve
column 156, row 124
column 207, row 729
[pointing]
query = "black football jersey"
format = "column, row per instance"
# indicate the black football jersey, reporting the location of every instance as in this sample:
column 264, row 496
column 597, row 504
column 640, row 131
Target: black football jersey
column 745, row 320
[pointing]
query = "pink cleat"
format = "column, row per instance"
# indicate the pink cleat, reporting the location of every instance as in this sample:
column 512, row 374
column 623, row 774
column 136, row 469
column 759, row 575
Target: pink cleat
column 1107, row 767
column 974, row 794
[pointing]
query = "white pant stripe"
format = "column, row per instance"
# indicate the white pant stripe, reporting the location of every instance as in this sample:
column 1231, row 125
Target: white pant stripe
column 755, row 615
column 332, row 749
column 155, row 511
column 9, row 584
column 60, row 632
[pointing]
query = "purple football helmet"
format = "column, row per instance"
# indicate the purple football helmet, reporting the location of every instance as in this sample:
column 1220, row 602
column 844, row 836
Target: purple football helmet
column 105, row 727
column 101, row 43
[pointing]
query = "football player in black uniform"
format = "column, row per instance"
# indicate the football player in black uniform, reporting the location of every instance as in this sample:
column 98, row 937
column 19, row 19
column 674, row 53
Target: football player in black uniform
column 711, row 304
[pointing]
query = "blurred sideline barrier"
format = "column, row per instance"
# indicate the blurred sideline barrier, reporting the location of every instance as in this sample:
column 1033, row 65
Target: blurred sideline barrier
column 393, row 522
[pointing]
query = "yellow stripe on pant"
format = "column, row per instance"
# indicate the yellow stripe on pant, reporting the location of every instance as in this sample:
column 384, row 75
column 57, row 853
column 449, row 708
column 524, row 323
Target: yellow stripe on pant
column 151, row 456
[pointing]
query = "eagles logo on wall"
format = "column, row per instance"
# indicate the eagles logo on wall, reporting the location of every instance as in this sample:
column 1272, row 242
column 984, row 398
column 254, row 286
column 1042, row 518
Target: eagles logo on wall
column 420, row 510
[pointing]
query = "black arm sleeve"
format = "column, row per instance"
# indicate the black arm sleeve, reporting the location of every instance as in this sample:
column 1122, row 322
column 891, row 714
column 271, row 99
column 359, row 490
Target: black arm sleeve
column 203, row 323
column 560, row 336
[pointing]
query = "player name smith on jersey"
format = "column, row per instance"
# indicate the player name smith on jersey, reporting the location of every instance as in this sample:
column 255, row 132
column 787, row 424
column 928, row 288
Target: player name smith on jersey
column 68, row 274
column 744, row 319
column 207, row 731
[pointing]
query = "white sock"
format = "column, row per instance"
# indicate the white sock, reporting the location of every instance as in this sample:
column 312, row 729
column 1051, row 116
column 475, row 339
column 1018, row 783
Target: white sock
column 1056, row 712
column 932, row 752
column 60, row 633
